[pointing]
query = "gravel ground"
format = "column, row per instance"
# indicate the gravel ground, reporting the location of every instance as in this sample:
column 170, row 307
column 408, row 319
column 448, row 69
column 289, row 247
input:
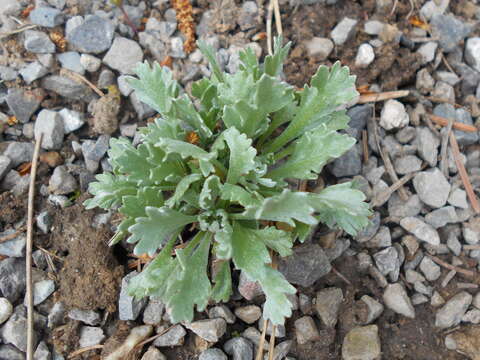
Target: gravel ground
column 405, row 288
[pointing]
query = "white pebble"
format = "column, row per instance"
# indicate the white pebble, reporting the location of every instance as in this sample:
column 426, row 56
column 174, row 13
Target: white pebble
column 365, row 55
column 393, row 115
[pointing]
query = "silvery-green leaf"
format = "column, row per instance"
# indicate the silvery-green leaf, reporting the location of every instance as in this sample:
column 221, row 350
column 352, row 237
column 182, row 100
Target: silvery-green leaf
column 210, row 192
column 242, row 154
column 182, row 188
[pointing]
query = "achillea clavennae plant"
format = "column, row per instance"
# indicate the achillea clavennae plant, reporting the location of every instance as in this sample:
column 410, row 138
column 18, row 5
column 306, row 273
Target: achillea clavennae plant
column 217, row 166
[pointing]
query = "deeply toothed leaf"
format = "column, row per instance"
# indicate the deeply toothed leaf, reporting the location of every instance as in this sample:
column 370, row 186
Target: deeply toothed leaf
column 242, row 154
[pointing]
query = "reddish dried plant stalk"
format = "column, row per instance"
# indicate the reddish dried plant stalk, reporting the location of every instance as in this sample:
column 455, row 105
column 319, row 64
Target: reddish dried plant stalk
column 186, row 23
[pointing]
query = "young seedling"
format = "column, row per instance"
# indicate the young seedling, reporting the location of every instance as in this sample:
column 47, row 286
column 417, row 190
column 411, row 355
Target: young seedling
column 215, row 169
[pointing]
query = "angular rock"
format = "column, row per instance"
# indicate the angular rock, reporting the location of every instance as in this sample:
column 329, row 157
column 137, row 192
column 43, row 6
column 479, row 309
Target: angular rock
column 407, row 164
column 210, row 329
column 47, row 17
column 369, row 232
column 9, row 352
column 386, row 260
column 373, row 27
column 123, row 55
column 153, row 354
column 248, row 313
column 427, row 51
column 38, row 42
column 452, row 312
column 128, row 307
column 15, row 247
column 42, row 352
column 362, row 343
column 441, row 217
column 395, row 298
column 93, row 36
column 457, row 198
column 431, row 270
column 33, row 71
column 472, row 52
column 23, row 103
column 343, row 31
column 449, row 30
column 68, row 88
column 375, row 308
column 6, row 309
column 90, row 336
column 319, row 47
column 222, row 311
column 19, row 152
column 212, row 354
column 239, row 348
column 62, row 182
column 12, row 278
column 153, row 312
column 173, row 337
column 432, row 187
column 393, row 115
column 88, row 317
column 424, row 81
column 306, row 330
column 349, row 164
column 307, row 264
column 44, row 221
column 90, row 62
column 72, row 120
column 421, row 230
column 50, row 124
column 328, row 304
column 70, row 60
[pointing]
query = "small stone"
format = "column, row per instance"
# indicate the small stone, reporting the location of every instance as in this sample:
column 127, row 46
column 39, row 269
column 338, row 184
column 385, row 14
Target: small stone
column 50, row 124
column 124, row 86
column 472, row 52
column 90, row 336
column 449, row 30
column 247, row 288
column 239, row 348
column 90, row 62
column 47, row 17
column 96, row 151
column 373, row 27
column 319, row 47
column 472, row 316
column 421, row 230
column 432, row 187
column 6, row 310
column 431, row 270
column 307, row 264
column 68, row 88
column 249, row 313
column 454, row 244
column 19, row 152
column 306, row 330
column 56, row 315
column 70, row 60
column 210, row 329
column 445, row 91
column 427, row 145
column 427, row 51
column 418, row 299
column 465, row 138
column 458, row 198
column 128, row 307
column 72, row 120
column 369, row 232
column 221, row 311
column 395, row 298
column 248, row 16
column 349, row 164
column 359, row 116
column 434, row 7
column 123, row 55
column 437, row 299
column 94, row 35
column 447, row 77
column 424, row 81
column 62, row 182
column 8, row 73
column 375, row 309
column 365, row 56
column 11, row 353
column 393, row 115
column 106, row 79
column 173, row 337
column 362, row 343
column 441, row 217
column 16, row 183
column 44, row 221
column 154, row 354
column 42, row 290
column 88, row 317
column 33, row 71
column 152, row 315
column 343, row 31
column 212, row 354
column 452, row 312
column 42, row 352
column 38, row 42
column 12, row 278
column 407, row 164
column 15, row 247
column 23, row 103
column 328, row 304
column 386, row 260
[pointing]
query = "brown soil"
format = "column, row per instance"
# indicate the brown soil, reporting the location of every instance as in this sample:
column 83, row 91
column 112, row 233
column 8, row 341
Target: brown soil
column 65, row 338
column 12, row 208
column 91, row 276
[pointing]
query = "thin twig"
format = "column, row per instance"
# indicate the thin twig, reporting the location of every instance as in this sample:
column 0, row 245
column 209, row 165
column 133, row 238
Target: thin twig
column 29, row 284
column 271, row 349
column 278, row 19
column 12, row 235
column 269, row 27
column 146, row 341
column 463, row 174
column 341, row 276
column 366, row 98
column 412, row 9
column 448, row 266
column 261, row 344
column 85, row 349
column 84, row 79
column 439, row 120
column 365, row 145
column 444, row 148
column 385, row 195
column 394, row 7
column 447, row 64
column 17, row 31
column 471, row 247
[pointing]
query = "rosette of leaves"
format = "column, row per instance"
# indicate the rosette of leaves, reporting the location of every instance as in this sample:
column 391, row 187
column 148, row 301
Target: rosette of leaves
column 216, row 165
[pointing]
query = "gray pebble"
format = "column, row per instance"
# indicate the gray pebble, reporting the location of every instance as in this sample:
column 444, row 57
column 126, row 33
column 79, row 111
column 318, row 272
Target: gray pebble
column 33, row 71
column 92, row 36
column 239, row 348
column 395, row 298
column 68, row 88
column 212, row 354
column 70, row 60
column 47, row 17
column 19, row 152
column 452, row 312
column 22, row 103
column 38, row 42
column 343, row 30
column 128, row 307
column 173, row 337
column 50, row 124
column 123, row 55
